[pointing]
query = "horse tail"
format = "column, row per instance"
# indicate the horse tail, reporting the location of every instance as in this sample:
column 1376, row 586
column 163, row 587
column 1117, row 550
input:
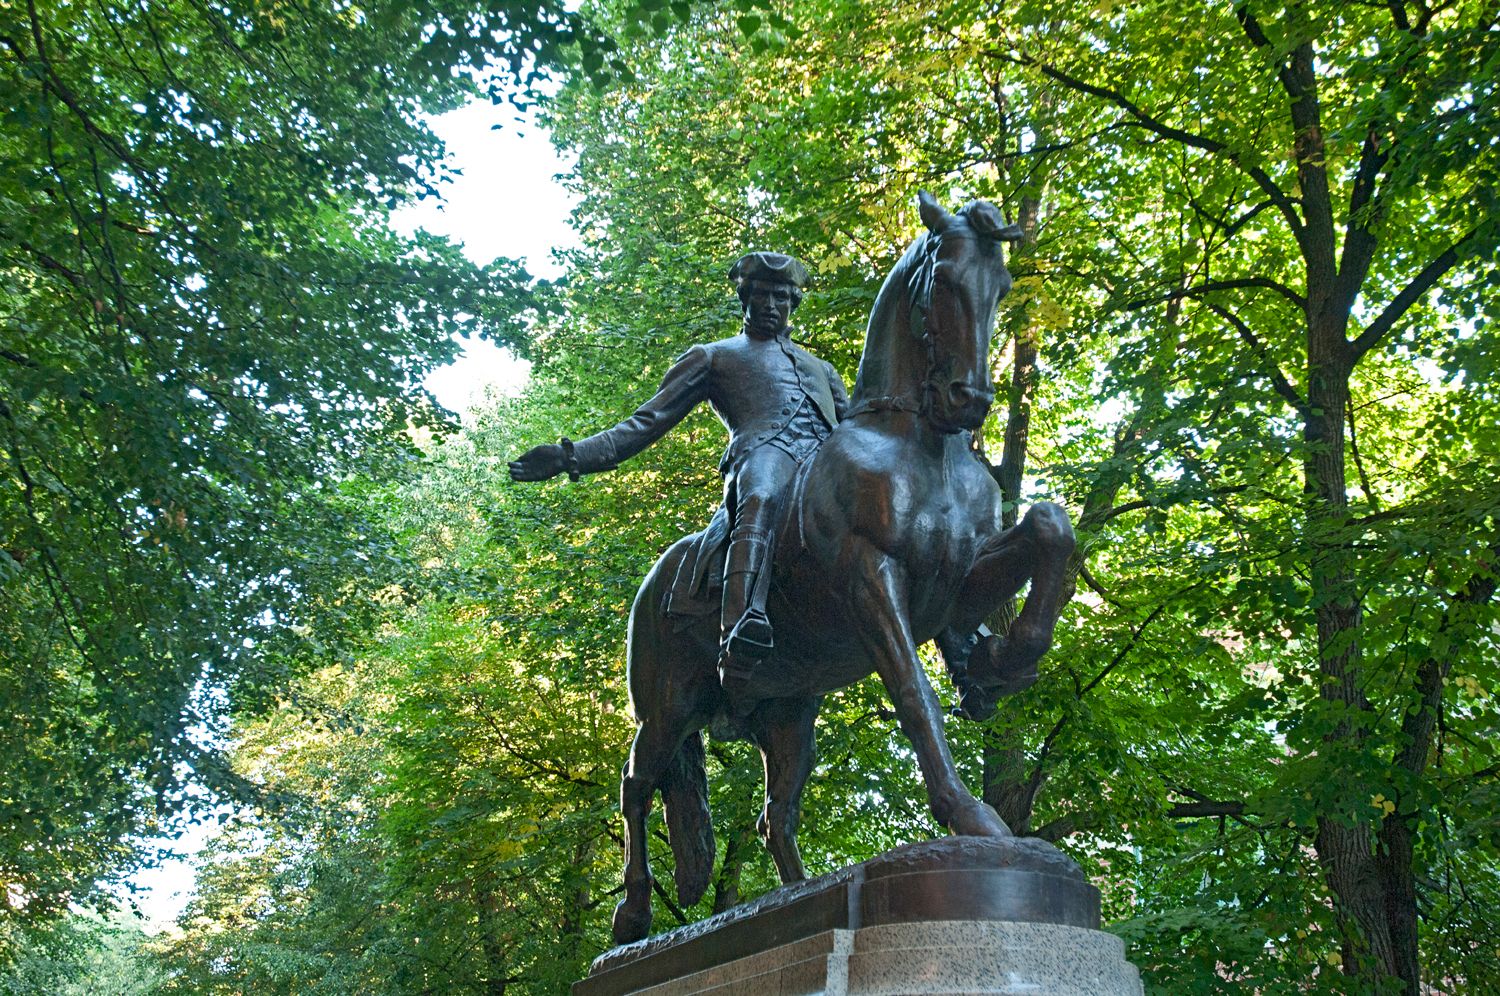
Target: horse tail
column 684, row 795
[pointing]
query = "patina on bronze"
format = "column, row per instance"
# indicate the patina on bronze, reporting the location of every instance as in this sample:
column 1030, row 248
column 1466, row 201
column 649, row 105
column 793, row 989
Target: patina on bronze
column 889, row 536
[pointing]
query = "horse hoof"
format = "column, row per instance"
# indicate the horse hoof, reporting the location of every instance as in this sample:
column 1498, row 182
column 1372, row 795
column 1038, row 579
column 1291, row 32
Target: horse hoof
column 1005, row 666
column 631, row 924
column 975, row 704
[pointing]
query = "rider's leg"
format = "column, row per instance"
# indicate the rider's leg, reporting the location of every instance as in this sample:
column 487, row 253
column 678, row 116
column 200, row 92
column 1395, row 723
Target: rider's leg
column 742, row 618
column 758, row 485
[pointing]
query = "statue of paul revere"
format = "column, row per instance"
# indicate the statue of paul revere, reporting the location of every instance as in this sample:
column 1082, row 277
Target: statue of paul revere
column 779, row 403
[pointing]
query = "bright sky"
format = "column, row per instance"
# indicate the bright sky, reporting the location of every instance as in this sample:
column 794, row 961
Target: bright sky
column 505, row 204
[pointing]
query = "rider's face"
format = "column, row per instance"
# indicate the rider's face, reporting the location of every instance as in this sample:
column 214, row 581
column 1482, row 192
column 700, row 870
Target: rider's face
column 768, row 307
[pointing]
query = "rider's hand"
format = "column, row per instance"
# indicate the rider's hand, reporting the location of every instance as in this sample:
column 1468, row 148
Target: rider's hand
column 539, row 463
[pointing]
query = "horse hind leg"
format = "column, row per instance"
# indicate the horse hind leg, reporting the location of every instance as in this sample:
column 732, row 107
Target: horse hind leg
column 672, row 687
column 783, row 730
column 650, row 755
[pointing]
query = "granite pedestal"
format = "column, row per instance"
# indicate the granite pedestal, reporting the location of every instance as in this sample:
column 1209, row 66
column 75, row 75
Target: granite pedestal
column 957, row 915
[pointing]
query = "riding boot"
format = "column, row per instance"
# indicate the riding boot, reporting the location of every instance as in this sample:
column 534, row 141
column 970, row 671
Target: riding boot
column 745, row 626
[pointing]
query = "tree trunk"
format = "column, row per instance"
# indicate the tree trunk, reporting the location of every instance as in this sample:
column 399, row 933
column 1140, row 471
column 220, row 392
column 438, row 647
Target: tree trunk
column 1345, row 842
column 496, row 977
column 1005, row 785
column 578, row 905
column 727, row 884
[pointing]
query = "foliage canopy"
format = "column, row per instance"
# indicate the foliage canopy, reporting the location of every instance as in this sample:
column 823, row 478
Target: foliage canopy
column 1250, row 347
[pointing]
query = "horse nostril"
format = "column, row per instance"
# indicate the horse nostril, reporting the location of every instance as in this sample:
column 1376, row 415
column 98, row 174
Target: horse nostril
column 962, row 394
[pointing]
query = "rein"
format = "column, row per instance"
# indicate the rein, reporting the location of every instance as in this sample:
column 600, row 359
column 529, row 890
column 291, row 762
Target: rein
column 920, row 294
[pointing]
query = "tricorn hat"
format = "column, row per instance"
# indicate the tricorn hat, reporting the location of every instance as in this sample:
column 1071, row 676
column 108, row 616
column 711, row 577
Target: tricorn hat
column 772, row 266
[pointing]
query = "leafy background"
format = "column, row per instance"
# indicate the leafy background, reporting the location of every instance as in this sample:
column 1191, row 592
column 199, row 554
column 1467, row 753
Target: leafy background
column 245, row 557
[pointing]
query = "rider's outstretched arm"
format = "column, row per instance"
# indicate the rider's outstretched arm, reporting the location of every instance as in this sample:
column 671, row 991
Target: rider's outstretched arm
column 684, row 385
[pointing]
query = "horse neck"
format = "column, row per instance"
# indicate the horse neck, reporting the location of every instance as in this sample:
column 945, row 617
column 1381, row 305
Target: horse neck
column 894, row 363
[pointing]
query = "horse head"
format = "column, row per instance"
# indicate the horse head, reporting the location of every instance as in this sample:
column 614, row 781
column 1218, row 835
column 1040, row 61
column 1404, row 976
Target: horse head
column 954, row 290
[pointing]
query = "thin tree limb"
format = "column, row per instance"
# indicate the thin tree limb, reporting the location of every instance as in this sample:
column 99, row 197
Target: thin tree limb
column 1156, row 126
column 1199, row 290
column 1413, row 291
column 1278, row 379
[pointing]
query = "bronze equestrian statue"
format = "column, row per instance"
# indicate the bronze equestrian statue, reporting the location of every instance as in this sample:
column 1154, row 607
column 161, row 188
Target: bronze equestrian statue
column 889, row 536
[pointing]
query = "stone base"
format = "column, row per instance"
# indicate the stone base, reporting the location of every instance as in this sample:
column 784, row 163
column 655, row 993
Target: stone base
column 948, row 957
column 958, row 915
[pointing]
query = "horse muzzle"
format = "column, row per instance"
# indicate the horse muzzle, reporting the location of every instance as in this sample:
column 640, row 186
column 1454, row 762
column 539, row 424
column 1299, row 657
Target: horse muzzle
column 963, row 406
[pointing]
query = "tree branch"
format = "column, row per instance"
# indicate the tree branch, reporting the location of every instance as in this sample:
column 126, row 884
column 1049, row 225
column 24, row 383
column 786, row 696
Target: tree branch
column 1156, row 126
column 1057, row 727
column 1219, row 285
column 1230, row 228
column 1359, row 464
column 1200, row 810
column 1359, row 242
column 1066, row 826
column 1418, row 724
column 1412, row 292
column 1278, row 379
column 1297, row 71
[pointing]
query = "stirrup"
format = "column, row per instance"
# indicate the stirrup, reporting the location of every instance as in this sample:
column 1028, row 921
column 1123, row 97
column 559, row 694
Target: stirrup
column 750, row 639
column 747, row 645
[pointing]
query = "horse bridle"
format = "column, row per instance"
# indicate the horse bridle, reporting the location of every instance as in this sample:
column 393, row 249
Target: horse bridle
column 919, row 293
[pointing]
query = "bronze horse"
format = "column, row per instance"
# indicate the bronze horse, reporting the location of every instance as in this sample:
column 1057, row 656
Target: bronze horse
column 891, row 537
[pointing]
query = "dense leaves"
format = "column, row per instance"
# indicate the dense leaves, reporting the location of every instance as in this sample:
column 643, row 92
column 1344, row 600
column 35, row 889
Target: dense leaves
column 205, row 327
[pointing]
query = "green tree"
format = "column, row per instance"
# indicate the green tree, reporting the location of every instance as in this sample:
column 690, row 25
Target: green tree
column 1185, row 741
column 205, row 327
column 1303, row 178
column 86, row 954
column 1187, row 247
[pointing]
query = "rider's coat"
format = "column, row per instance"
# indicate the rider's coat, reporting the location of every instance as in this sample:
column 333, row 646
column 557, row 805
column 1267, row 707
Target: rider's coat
column 758, row 387
column 765, row 391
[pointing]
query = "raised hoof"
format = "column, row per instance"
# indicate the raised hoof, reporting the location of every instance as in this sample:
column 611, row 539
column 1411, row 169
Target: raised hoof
column 630, row 924
column 1006, row 666
column 974, row 703
column 978, row 819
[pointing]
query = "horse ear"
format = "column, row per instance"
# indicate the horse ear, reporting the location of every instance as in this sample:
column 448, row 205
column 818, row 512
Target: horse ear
column 988, row 220
column 934, row 215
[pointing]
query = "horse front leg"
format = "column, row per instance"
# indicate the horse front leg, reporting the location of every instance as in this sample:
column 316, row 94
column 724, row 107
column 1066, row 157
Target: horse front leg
column 880, row 601
column 783, row 730
column 1036, row 549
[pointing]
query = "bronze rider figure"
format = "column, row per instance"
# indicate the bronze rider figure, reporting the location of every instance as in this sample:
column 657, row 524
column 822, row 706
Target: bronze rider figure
column 778, row 401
